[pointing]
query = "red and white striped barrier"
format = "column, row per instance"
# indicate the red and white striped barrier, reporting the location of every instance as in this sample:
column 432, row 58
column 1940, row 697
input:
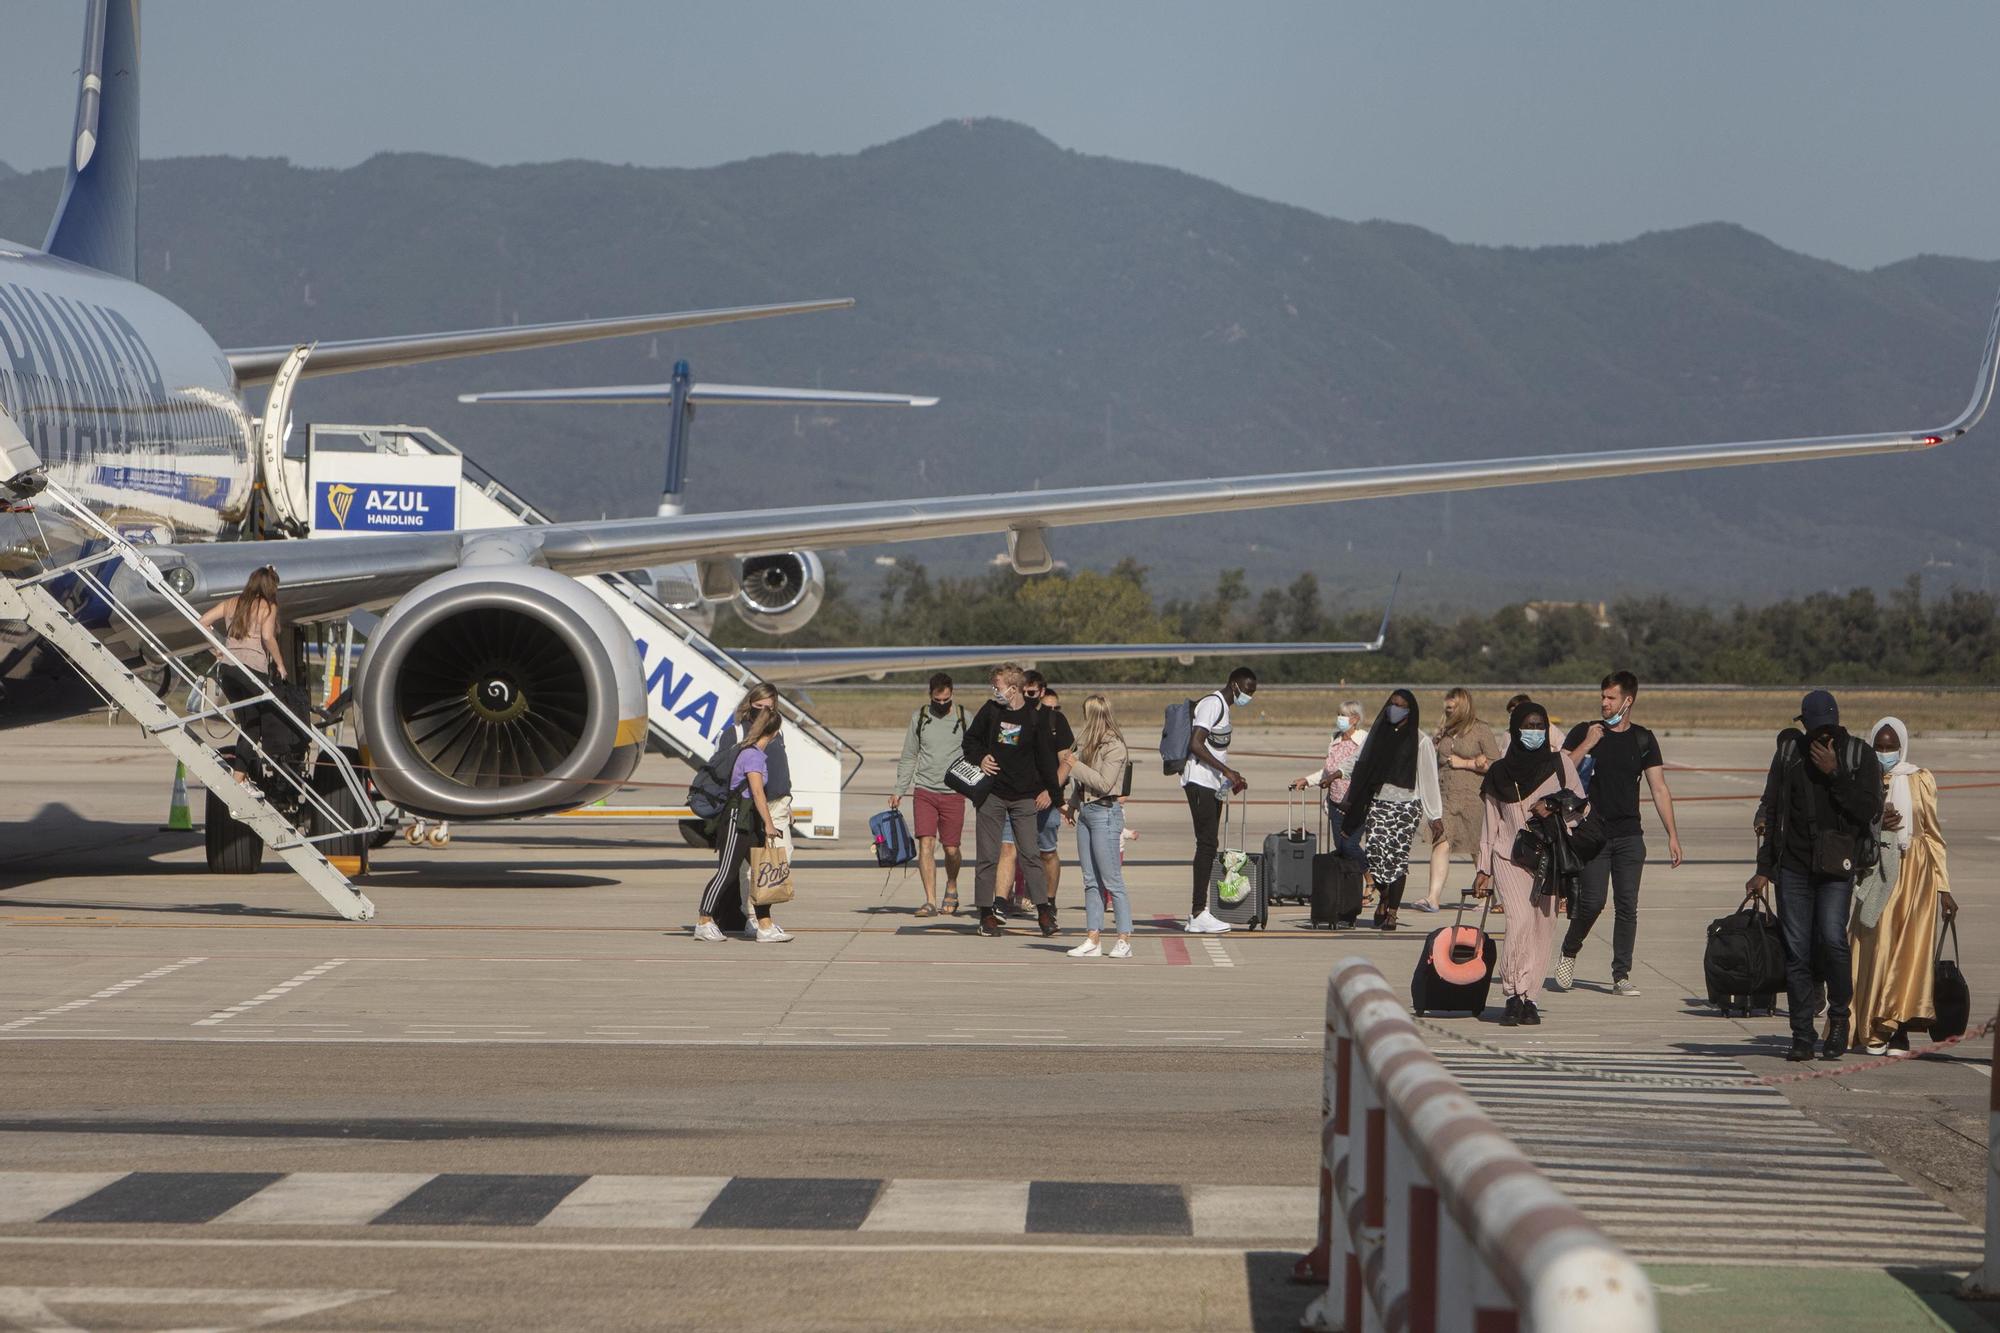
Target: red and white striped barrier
column 1431, row 1220
column 1984, row 1281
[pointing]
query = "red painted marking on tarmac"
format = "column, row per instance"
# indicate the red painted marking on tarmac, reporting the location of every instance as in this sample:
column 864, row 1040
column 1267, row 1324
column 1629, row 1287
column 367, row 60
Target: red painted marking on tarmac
column 1176, row 951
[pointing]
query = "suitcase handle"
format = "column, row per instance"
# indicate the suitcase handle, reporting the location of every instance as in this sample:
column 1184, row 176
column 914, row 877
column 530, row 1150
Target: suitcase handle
column 1950, row 925
column 1242, row 801
column 1484, row 912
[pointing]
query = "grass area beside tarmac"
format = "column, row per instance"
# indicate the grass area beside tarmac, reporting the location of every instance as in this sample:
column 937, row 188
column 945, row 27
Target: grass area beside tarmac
column 1924, row 708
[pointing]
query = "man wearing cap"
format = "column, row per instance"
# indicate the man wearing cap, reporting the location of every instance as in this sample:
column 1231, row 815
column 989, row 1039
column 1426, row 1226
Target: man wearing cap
column 1821, row 798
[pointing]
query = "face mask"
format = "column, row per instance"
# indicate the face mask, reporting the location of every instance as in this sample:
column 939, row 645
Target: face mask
column 1241, row 700
column 1534, row 740
column 1397, row 713
column 1343, row 725
column 1000, row 696
column 1614, row 719
column 940, row 709
column 1889, row 758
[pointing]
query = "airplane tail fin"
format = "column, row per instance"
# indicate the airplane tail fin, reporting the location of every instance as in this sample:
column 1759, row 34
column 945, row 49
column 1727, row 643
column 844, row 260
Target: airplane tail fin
column 96, row 222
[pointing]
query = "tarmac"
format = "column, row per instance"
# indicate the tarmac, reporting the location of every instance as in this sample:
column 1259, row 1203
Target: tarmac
column 523, row 1095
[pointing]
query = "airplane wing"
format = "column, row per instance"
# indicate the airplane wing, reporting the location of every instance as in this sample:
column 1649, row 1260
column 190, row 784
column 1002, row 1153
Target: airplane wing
column 259, row 365
column 324, row 577
column 702, row 395
column 804, row 666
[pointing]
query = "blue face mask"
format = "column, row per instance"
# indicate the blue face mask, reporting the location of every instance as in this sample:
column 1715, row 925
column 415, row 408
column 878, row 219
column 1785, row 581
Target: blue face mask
column 1240, row 699
column 1397, row 713
column 1889, row 758
column 1534, row 740
column 1614, row 719
column 1343, row 725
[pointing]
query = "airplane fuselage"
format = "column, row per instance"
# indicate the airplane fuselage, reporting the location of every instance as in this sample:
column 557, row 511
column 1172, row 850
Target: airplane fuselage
column 133, row 406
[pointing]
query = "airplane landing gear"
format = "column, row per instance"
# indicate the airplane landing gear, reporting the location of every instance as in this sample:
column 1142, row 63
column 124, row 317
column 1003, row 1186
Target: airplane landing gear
column 420, row 832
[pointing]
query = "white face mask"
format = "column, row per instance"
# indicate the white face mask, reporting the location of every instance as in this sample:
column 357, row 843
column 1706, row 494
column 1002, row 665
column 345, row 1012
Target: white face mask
column 1343, row 725
column 1889, row 758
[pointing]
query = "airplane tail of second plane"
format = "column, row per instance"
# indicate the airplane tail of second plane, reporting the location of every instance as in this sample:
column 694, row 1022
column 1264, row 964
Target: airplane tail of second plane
column 96, row 222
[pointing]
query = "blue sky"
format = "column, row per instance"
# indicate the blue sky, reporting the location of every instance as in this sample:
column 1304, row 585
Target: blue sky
column 1861, row 132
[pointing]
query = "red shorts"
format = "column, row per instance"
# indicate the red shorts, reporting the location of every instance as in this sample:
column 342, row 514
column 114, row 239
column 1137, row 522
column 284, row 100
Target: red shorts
column 940, row 815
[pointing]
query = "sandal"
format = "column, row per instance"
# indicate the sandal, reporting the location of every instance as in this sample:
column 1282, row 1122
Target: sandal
column 927, row 910
column 950, row 905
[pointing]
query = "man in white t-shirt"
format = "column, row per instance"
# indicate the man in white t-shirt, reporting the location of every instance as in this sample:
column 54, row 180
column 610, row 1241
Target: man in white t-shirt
column 1206, row 780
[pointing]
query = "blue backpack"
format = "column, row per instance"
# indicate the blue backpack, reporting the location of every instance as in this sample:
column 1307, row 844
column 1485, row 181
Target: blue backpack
column 893, row 844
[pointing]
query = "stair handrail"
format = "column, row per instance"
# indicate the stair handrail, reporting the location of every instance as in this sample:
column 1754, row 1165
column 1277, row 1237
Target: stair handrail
column 116, row 546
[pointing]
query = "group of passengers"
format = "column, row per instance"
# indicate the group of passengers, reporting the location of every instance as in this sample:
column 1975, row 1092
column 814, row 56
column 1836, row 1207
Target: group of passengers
column 1477, row 793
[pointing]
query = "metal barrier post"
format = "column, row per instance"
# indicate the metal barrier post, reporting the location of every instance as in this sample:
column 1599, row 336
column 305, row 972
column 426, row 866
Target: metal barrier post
column 1437, row 1221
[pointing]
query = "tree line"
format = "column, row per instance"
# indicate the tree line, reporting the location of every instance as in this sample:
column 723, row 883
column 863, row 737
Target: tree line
column 1852, row 638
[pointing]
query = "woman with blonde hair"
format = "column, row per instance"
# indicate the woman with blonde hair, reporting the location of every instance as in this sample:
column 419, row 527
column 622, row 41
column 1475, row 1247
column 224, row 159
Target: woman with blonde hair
column 1098, row 767
column 1899, row 902
column 249, row 624
column 760, row 698
column 1466, row 748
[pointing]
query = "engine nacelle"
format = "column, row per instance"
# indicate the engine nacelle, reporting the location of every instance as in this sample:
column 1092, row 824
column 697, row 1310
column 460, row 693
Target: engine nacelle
column 780, row 593
column 499, row 691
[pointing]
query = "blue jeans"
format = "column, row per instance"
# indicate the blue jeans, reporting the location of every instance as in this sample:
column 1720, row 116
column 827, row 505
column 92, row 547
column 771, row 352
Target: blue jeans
column 1097, row 835
column 1813, row 913
column 1048, row 825
column 1342, row 844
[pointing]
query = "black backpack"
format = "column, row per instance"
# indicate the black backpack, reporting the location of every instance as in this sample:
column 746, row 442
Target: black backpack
column 1745, row 953
column 708, row 793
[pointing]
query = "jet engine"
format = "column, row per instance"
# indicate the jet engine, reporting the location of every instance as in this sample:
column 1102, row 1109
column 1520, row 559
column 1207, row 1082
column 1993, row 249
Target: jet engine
column 780, row 593
column 500, row 691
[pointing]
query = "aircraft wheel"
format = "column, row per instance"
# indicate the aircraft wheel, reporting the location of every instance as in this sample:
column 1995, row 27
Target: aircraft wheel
column 233, row 847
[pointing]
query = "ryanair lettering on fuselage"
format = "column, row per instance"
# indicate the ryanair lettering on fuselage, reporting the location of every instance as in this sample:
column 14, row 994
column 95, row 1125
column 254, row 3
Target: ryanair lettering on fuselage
column 77, row 377
column 665, row 690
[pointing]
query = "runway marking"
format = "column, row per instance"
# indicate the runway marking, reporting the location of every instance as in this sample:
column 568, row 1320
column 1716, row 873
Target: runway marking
column 1216, row 953
column 35, row 1307
column 108, row 993
column 1176, row 951
column 1081, row 1249
column 276, row 992
column 706, row 1203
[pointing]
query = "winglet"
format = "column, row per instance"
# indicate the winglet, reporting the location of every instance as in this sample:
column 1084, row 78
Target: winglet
column 1982, row 388
column 97, row 219
column 1382, row 633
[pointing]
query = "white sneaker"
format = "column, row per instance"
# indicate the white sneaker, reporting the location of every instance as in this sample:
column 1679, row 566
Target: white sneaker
column 1087, row 949
column 1122, row 949
column 1207, row 923
column 709, row 933
column 775, row 935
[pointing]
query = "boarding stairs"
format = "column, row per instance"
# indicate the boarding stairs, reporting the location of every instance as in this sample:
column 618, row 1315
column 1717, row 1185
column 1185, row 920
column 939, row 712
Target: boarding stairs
column 70, row 602
column 692, row 685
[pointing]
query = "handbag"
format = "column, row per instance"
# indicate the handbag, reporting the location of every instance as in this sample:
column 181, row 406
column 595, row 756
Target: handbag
column 769, row 872
column 1951, row 997
column 968, row 780
column 1832, row 854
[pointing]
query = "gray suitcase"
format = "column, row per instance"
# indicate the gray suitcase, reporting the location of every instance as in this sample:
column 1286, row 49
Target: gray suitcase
column 1253, row 910
column 1288, row 860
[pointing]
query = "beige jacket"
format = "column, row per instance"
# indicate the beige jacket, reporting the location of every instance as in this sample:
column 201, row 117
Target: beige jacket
column 1106, row 777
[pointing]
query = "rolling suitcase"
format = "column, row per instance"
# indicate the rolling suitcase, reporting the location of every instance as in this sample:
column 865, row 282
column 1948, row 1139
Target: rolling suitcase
column 1288, row 860
column 1336, row 886
column 1455, row 969
column 1253, row 909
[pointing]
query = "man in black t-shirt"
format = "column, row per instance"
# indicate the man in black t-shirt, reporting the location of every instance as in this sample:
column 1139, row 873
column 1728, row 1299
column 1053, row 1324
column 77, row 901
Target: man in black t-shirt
column 1009, row 740
column 1620, row 754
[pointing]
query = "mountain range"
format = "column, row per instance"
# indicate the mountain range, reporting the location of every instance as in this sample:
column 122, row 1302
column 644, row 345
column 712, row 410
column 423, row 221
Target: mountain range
column 1091, row 320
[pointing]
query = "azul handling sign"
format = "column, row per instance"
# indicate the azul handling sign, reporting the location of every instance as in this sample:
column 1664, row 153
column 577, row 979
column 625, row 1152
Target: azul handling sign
column 354, row 494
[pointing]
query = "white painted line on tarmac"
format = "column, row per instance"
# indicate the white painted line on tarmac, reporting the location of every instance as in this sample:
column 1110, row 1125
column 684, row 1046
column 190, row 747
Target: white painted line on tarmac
column 667, row 1202
column 1216, row 953
column 283, row 988
column 108, row 993
column 325, row 1198
column 923, row 1206
column 29, row 1196
column 1220, row 1211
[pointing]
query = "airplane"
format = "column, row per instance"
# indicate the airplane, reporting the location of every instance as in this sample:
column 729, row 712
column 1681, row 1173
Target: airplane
column 780, row 593
column 111, row 390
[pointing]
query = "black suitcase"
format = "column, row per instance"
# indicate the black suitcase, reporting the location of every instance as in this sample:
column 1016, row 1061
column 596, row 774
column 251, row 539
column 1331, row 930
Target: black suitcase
column 1288, row 861
column 1743, row 963
column 1337, row 884
column 1470, row 948
column 1253, row 909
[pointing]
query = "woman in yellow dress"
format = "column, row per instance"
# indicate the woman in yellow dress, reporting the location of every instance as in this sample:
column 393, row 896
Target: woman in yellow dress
column 1897, row 904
